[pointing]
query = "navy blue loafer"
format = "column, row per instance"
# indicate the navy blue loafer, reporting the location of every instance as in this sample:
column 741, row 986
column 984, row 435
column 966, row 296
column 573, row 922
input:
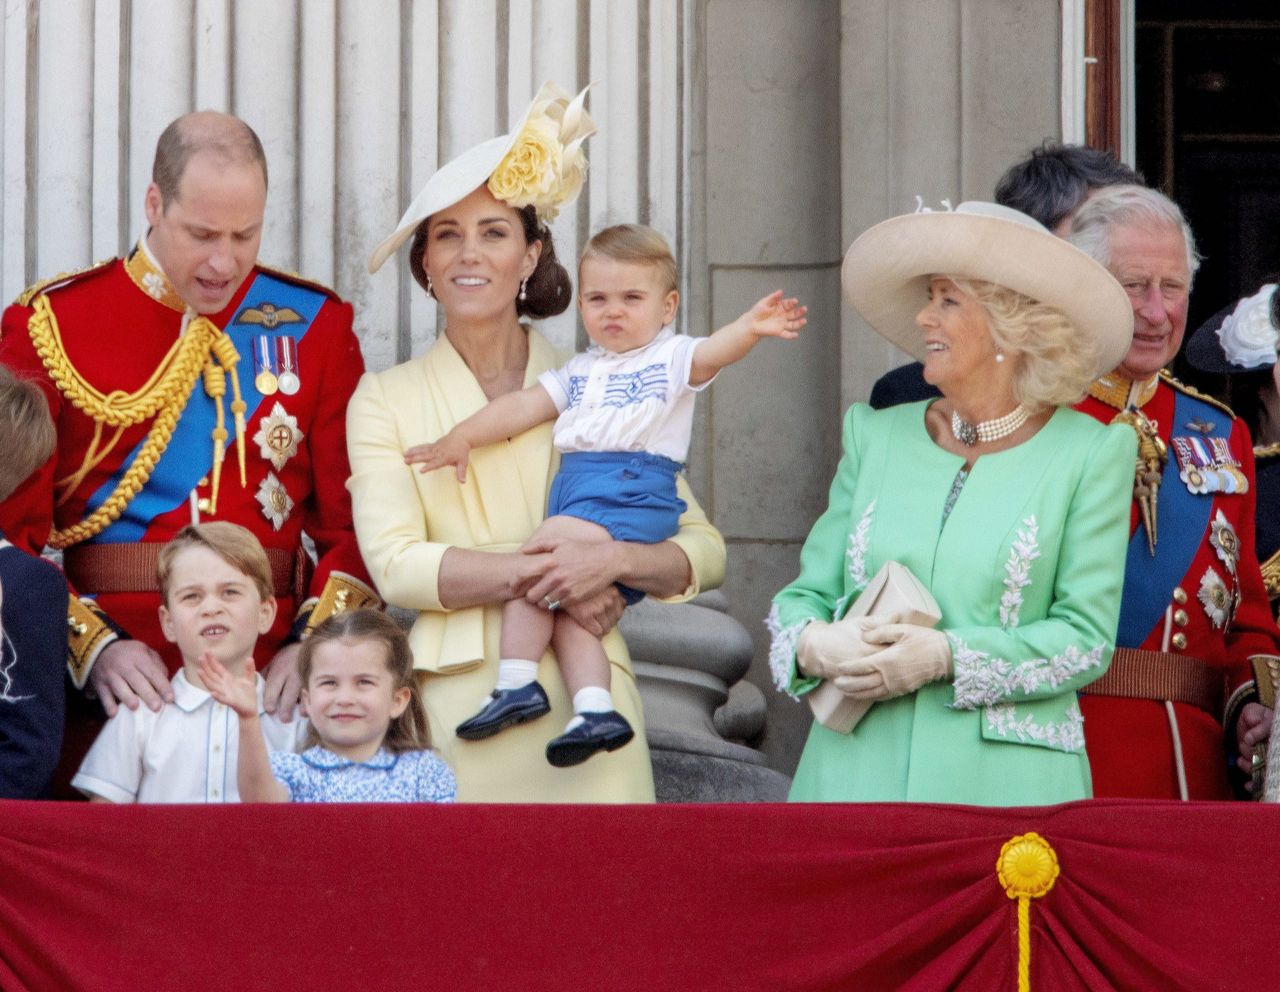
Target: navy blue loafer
column 597, row 732
column 505, row 708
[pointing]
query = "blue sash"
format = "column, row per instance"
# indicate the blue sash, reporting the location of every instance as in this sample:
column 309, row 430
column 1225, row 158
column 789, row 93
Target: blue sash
column 189, row 455
column 1181, row 519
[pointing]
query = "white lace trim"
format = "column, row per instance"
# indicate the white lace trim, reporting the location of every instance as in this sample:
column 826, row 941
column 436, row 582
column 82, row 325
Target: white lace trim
column 1065, row 735
column 856, row 556
column 1017, row 572
column 782, row 648
column 983, row 680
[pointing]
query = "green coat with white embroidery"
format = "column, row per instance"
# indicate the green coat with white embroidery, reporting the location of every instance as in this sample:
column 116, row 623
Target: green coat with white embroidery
column 1027, row 571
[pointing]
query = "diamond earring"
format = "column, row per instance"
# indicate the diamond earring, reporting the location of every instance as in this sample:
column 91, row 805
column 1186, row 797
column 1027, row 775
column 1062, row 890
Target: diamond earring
column 524, row 289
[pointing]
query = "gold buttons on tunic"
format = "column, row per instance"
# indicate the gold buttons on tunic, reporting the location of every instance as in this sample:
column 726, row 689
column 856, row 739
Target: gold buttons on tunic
column 1180, row 617
column 1180, row 641
column 1179, row 595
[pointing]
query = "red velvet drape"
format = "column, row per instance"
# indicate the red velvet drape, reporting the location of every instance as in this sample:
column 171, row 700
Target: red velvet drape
column 1152, row 895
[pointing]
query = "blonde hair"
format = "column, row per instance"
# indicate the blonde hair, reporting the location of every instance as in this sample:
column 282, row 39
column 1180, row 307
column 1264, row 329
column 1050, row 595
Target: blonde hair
column 27, row 435
column 232, row 543
column 410, row 731
column 1058, row 362
column 635, row 243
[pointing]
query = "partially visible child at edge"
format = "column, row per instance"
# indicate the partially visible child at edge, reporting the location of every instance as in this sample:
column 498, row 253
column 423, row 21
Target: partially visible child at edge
column 623, row 415
column 215, row 594
column 369, row 740
column 33, row 611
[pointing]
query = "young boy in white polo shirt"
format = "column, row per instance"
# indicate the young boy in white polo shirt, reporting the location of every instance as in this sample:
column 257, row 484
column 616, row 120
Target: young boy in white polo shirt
column 215, row 590
column 623, row 415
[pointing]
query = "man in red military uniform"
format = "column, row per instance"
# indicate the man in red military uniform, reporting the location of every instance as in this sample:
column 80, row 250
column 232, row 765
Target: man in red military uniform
column 1194, row 609
column 188, row 383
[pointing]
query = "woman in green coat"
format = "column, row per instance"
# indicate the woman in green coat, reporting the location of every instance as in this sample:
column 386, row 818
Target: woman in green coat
column 1011, row 508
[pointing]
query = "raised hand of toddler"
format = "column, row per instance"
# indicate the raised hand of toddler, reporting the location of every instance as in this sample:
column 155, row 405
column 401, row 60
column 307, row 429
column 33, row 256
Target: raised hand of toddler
column 452, row 449
column 238, row 692
column 776, row 317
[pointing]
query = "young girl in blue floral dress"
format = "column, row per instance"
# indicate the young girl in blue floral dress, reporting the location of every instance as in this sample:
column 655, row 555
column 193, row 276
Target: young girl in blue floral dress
column 368, row 741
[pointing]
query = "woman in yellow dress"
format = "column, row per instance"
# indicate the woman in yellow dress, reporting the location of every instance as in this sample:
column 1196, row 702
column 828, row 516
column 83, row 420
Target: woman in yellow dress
column 452, row 551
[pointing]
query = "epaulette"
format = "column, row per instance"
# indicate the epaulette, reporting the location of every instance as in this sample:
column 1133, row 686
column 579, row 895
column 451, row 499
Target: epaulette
column 1182, row 387
column 35, row 289
column 293, row 277
column 1265, row 451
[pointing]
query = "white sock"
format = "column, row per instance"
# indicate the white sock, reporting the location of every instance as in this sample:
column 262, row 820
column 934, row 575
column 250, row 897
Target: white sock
column 515, row 672
column 592, row 699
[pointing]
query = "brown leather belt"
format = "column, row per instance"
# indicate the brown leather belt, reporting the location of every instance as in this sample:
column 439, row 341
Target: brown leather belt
column 1160, row 675
column 96, row 568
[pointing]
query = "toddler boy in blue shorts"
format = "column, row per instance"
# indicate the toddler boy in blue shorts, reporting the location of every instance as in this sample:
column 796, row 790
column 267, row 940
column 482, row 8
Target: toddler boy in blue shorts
column 623, row 413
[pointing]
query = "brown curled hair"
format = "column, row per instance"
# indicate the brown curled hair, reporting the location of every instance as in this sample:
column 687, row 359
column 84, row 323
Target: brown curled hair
column 549, row 290
column 27, row 434
column 410, row 730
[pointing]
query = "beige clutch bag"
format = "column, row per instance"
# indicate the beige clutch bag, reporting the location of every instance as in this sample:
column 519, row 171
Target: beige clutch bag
column 893, row 589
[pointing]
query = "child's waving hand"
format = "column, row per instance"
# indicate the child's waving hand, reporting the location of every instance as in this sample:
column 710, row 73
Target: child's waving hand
column 776, row 317
column 239, row 691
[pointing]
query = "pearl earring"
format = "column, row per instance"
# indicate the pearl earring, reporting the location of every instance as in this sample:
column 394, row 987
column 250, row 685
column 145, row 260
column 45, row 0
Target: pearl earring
column 524, row 289
column 999, row 356
column 429, row 293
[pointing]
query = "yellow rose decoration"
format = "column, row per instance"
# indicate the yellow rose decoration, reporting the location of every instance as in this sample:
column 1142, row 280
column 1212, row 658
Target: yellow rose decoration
column 545, row 166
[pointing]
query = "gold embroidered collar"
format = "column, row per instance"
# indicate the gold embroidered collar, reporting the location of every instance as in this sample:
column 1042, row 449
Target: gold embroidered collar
column 147, row 275
column 1114, row 390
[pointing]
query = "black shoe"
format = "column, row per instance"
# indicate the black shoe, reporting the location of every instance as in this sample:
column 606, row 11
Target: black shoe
column 506, row 707
column 597, row 732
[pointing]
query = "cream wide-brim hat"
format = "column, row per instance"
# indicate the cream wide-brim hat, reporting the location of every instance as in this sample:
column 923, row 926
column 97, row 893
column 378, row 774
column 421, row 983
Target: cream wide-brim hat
column 887, row 270
column 456, row 179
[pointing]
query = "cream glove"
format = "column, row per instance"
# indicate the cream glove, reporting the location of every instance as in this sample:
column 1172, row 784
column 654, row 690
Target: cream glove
column 825, row 648
column 913, row 656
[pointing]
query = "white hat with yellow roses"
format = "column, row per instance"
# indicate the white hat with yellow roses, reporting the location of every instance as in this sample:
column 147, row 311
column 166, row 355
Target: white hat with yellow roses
column 539, row 164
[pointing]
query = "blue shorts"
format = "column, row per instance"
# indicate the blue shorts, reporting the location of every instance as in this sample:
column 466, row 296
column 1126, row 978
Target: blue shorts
column 631, row 494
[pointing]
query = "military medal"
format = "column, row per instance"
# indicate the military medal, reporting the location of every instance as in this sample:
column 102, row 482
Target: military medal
column 1206, row 465
column 278, row 436
column 264, row 361
column 289, row 381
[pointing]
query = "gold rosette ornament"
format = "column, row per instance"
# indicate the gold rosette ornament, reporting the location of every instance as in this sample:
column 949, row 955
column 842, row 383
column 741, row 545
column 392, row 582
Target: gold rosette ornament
column 1027, row 868
column 546, row 166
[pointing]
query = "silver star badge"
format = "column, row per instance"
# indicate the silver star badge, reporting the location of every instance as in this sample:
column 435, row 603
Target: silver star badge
column 1215, row 598
column 278, row 437
column 275, row 501
column 1225, row 542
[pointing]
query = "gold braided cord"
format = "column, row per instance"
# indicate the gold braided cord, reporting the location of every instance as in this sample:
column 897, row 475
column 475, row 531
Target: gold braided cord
column 171, row 381
column 92, row 459
column 130, row 485
column 164, row 395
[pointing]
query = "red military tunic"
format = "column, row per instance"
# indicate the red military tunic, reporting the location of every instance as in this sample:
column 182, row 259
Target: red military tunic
column 1130, row 741
column 113, row 327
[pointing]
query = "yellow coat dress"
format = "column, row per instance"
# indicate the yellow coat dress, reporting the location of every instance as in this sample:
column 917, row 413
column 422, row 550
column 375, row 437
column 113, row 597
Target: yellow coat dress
column 406, row 520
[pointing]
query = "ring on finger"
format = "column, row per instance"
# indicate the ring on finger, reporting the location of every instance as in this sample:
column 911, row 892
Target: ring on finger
column 551, row 604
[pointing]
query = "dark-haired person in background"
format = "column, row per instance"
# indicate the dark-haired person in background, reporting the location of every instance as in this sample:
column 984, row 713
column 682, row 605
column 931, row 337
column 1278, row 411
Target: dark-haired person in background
column 1049, row 185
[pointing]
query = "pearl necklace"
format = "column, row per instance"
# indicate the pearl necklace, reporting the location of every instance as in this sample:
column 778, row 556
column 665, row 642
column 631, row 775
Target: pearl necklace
column 987, row 430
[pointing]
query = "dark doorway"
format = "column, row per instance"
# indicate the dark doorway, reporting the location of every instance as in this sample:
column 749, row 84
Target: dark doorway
column 1207, row 103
